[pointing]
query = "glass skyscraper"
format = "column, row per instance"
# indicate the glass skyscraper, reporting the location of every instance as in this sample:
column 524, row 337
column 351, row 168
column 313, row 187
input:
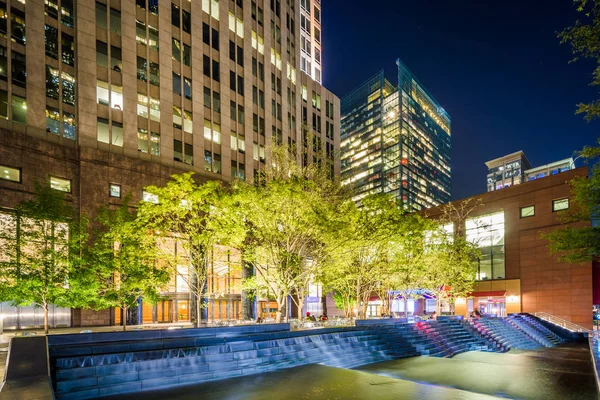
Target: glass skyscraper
column 396, row 139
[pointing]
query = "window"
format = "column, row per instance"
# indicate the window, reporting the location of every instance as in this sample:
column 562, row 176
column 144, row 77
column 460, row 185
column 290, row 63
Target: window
column 142, row 73
column 52, row 82
column 187, row 55
column 115, row 21
column 153, row 38
column 64, row 185
column 10, row 174
column 142, row 105
column 176, row 50
column 19, row 69
column 68, row 89
column 66, row 8
column 101, row 54
column 177, row 150
column 528, row 211
column 101, row 12
column 114, row 190
column 19, row 109
column 216, row 102
column 103, row 131
column 487, row 232
column 154, row 74
column 116, row 62
column 186, row 21
column 188, row 123
column 177, row 117
column 176, row 84
column 561, row 204
column 52, row 121
column 17, row 23
column 149, row 197
column 187, row 88
column 51, row 41
column 68, row 49
column 175, row 15
column 68, row 125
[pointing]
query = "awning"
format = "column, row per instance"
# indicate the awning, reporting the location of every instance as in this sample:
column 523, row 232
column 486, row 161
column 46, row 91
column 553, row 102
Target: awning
column 497, row 293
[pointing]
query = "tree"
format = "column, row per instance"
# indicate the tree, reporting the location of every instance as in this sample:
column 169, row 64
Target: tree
column 584, row 38
column 356, row 245
column 451, row 259
column 578, row 241
column 201, row 219
column 43, row 265
column 407, row 257
column 284, row 231
column 124, row 255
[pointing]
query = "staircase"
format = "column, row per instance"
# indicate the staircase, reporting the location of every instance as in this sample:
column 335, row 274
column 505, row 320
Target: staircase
column 444, row 338
column 535, row 329
column 505, row 335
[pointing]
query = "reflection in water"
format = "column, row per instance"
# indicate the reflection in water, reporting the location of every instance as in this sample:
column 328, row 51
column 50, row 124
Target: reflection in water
column 564, row 372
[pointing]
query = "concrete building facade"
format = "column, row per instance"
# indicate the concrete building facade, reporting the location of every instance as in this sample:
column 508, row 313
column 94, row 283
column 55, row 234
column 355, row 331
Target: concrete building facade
column 104, row 98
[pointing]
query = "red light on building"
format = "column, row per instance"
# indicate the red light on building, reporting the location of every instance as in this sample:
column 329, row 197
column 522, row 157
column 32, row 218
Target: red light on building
column 405, row 183
column 404, row 161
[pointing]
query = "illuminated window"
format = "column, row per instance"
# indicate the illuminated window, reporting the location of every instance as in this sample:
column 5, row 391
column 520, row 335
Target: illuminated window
column 558, row 205
column 528, row 211
column 487, row 232
column 10, row 174
column 64, row 185
column 149, row 197
column 114, row 190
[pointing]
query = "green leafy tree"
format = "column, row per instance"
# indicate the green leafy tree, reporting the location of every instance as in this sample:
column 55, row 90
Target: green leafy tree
column 451, row 259
column 124, row 255
column 201, row 219
column 578, row 240
column 283, row 233
column 43, row 263
column 357, row 252
column 408, row 257
column 584, row 38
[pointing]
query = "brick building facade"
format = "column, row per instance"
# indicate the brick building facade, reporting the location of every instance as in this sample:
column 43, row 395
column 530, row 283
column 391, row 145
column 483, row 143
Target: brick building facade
column 533, row 279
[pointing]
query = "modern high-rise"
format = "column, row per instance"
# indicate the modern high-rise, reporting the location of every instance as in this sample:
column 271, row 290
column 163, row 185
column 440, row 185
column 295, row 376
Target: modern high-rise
column 102, row 98
column 396, row 139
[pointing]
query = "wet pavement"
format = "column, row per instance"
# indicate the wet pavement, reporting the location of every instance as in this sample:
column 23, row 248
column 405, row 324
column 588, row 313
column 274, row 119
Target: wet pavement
column 565, row 372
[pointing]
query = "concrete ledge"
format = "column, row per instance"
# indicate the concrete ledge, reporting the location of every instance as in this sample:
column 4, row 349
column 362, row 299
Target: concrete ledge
column 380, row 321
column 107, row 337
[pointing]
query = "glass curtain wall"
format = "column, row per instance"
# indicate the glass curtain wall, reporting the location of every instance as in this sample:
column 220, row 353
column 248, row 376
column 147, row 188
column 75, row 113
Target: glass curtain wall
column 487, row 232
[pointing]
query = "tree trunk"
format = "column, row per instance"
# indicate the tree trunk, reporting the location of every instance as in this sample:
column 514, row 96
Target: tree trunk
column 279, row 312
column 124, row 317
column 198, row 310
column 45, row 318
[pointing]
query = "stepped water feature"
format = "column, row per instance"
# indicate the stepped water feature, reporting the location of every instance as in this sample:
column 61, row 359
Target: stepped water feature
column 97, row 364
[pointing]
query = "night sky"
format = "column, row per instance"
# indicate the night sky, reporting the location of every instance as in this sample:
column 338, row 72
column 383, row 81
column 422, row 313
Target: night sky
column 495, row 66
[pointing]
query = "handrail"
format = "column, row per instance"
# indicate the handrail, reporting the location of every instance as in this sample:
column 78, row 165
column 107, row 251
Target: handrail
column 561, row 322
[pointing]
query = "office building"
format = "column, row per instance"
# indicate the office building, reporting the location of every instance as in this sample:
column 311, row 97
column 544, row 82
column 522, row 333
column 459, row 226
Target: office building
column 396, row 139
column 506, row 171
column 102, row 98
column 515, row 168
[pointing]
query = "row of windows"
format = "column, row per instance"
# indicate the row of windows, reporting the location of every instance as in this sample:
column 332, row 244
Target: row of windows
column 557, row 205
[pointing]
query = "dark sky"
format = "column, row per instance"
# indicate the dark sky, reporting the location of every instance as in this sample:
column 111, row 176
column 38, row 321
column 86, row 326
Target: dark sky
column 495, row 66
